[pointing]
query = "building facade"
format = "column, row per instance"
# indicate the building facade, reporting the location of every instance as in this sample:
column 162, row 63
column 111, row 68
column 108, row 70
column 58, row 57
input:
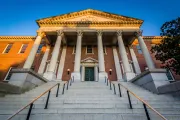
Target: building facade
column 88, row 45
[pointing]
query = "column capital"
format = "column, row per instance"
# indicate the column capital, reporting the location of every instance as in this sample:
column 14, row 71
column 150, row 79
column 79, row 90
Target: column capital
column 79, row 33
column 99, row 32
column 41, row 34
column 119, row 32
column 138, row 33
column 60, row 32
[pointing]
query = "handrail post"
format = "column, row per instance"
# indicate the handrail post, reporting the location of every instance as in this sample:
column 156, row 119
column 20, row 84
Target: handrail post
column 129, row 100
column 57, row 90
column 146, row 111
column 119, row 90
column 67, row 85
column 47, row 101
column 114, row 89
column 107, row 81
column 73, row 78
column 29, row 112
column 63, row 88
column 110, row 85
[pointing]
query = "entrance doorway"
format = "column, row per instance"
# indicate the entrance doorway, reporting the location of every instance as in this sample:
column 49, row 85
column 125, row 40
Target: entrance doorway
column 89, row 73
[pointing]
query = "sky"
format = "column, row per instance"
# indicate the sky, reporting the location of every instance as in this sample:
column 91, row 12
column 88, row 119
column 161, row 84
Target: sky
column 18, row 17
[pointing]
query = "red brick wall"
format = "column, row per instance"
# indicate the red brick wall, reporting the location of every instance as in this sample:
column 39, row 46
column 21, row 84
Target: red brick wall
column 109, row 63
column 69, row 63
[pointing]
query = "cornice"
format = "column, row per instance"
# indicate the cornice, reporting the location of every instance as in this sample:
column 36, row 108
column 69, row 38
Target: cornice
column 89, row 24
column 17, row 38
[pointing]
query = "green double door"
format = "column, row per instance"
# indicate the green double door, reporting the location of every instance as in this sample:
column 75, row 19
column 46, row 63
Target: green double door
column 89, row 73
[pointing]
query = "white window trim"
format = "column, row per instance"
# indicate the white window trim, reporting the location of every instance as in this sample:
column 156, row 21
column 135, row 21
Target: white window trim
column 5, row 49
column 7, row 74
column 92, row 50
column 21, row 49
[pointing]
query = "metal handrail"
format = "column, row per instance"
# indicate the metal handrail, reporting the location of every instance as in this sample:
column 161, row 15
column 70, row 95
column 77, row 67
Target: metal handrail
column 21, row 109
column 107, row 80
column 144, row 102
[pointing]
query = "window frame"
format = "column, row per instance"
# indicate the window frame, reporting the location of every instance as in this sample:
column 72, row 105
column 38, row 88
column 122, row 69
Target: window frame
column 5, row 78
column 22, row 47
column 6, row 48
column 169, row 71
column 87, row 49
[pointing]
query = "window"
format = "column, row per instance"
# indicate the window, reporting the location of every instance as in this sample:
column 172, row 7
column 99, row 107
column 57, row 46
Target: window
column 74, row 49
column 104, row 49
column 89, row 49
column 23, row 48
column 139, row 49
column 8, row 47
column 39, row 48
column 8, row 75
column 169, row 75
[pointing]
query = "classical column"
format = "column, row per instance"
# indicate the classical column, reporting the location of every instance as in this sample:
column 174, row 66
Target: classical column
column 82, row 73
column 61, row 64
column 44, row 60
column 135, row 61
column 32, row 54
column 96, row 72
column 117, row 65
column 77, row 63
column 102, row 73
column 145, row 51
column 50, row 75
column 128, row 75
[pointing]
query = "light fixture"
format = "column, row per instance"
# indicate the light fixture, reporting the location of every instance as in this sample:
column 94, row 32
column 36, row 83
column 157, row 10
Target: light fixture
column 110, row 71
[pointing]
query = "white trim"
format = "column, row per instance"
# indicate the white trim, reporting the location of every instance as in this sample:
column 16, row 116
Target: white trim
column 104, row 50
column 7, row 74
column 22, row 47
column 6, row 48
column 74, row 47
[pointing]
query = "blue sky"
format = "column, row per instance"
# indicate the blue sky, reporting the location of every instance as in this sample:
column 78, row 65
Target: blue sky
column 17, row 17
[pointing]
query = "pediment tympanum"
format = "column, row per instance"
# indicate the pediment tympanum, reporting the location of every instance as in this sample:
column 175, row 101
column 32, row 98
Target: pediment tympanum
column 90, row 17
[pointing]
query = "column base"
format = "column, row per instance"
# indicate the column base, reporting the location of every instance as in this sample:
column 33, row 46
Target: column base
column 50, row 75
column 128, row 76
column 102, row 76
column 26, row 79
column 76, row 75
column 151, row 79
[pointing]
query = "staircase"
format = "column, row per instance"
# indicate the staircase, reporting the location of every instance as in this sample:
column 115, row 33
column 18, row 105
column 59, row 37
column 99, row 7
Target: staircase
column 89, row 101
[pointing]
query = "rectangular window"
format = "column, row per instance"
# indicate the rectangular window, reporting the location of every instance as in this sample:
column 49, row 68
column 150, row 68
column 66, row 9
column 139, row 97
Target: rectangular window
column 8, row 75
column 139, row 49
column 89, row 49
column 23, row 48
column 169, row 75
column 8, row 47
column 39, row 48
column 74, row 49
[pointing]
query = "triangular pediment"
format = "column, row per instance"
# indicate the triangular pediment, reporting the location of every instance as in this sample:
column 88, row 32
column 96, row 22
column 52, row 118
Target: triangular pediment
column 89, row 60
column 89, row 16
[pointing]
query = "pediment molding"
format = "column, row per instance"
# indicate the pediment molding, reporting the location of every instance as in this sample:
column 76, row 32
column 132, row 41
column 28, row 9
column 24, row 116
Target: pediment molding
column 89, row 60
column 89, row 17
